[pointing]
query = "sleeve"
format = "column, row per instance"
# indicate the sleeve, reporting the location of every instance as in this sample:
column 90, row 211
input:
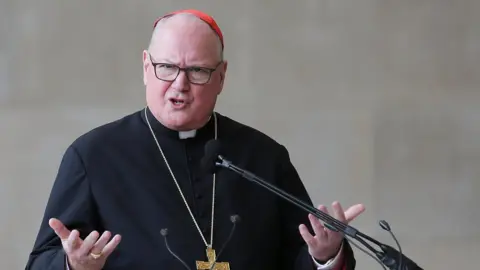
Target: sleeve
column 294, row 249
column 67, row 266
column 71, row 202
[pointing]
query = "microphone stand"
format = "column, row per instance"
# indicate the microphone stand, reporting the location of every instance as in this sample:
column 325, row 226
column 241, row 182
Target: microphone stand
column 387, row 255
column 164, row 232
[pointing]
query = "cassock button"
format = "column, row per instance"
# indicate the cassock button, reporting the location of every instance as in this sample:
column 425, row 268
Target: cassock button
column 199, row 196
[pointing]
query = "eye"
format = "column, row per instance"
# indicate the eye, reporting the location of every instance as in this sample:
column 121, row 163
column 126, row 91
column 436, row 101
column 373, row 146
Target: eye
column 167, row 66
column 198, row 70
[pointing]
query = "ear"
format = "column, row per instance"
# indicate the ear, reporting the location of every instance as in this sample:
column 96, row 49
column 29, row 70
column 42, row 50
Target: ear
column 146, row 62
column 223, row 73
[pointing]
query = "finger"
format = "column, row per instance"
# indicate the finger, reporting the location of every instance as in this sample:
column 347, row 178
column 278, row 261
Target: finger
column 354, row 211
column 324, row 209
column 317, row 225
column 338, row 211
column 102, row 241
column 88, row 243
column 62, row 232
column 327, row 228
column 110, row 247
column 71, row 242
column 306, row 235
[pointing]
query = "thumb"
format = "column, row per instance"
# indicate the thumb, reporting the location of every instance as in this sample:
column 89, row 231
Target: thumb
column 59, row 228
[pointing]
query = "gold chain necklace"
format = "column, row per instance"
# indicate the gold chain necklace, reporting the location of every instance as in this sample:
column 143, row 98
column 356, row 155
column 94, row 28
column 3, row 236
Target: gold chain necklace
column 178, row 186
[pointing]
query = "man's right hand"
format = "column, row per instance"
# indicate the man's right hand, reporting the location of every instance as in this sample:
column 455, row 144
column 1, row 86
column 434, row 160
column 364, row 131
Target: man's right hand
column 88, row 254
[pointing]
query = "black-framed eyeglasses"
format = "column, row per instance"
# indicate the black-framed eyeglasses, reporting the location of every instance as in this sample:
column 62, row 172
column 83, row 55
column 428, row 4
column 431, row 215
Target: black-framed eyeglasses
column 195, row 75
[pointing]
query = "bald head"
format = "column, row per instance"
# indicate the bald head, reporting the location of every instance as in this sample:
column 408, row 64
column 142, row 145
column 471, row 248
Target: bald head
column 188, row 26
column 183, row 71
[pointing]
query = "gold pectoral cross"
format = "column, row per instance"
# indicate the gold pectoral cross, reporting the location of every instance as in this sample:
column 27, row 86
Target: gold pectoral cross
column 211, row 258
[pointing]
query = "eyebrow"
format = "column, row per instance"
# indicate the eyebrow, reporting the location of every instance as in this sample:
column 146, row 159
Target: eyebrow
column 160, row 60
column 195, row 63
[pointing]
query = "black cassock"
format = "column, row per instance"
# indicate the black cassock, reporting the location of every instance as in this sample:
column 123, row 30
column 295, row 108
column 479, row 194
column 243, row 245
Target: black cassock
column 115, row 178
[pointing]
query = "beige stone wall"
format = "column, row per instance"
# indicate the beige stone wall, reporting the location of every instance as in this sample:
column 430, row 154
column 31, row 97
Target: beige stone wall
column 377, row 100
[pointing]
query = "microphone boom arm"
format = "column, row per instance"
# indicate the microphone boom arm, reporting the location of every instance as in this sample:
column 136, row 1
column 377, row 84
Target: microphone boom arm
column 387, row 254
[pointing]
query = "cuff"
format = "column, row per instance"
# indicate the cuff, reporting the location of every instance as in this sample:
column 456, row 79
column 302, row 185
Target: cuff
column 331, row 264
column 67, row 266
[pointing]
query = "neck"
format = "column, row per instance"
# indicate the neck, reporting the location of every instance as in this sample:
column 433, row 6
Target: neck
column 189, row 128
column 206, row 126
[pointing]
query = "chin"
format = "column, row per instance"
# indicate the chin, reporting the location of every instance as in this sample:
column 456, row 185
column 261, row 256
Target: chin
column 179, row 121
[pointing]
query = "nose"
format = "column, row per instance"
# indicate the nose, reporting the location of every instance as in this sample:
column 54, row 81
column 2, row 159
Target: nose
column 181, row 83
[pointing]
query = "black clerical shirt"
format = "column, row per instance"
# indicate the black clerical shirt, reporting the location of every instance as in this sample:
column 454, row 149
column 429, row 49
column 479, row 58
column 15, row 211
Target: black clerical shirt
column 115, row 178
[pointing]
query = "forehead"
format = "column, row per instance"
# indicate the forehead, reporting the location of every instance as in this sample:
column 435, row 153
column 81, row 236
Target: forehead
column 185, row 39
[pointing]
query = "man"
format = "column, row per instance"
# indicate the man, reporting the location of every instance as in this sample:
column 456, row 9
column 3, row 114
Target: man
column 137, row 175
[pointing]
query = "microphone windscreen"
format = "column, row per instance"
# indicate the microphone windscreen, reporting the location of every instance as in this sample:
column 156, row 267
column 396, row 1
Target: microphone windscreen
column 212, row 151
column 235, row 218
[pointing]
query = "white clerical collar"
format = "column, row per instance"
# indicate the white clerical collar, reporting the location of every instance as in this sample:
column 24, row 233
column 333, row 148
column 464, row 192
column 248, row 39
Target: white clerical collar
column 190, row 133
column 187, row 134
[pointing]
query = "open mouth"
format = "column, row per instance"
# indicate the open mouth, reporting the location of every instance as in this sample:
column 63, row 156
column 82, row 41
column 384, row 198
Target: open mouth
column 177, row 101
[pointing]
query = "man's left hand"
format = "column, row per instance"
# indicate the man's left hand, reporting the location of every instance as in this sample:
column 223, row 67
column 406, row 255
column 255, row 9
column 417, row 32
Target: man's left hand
column 326, row 243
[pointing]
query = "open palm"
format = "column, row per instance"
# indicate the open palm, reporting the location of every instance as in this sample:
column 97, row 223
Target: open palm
column 326, row 243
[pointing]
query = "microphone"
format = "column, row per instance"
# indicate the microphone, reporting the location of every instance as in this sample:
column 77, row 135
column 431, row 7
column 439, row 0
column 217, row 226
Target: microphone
column 212, row 150
column 387, row 255
column 385, row 259
column 234, row 219
column 384, row 224
column 164, row 233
